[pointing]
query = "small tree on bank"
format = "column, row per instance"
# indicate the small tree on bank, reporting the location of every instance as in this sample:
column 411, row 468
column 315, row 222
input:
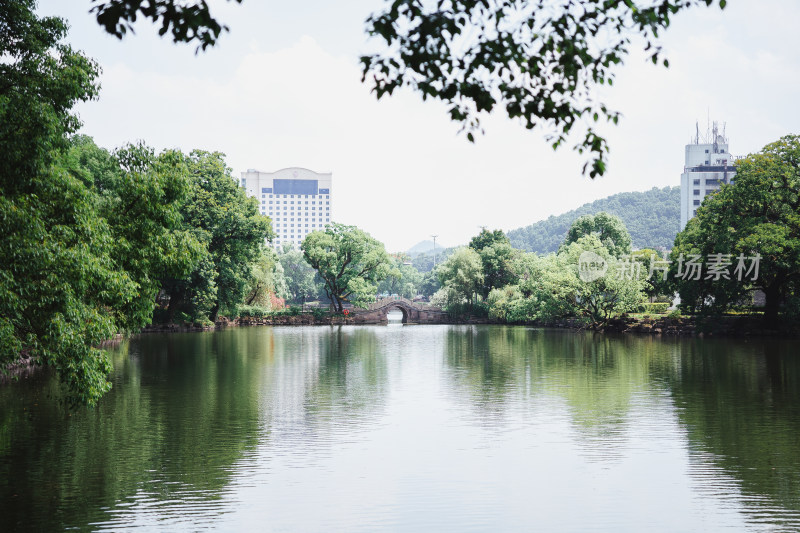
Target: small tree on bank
column 349, row 261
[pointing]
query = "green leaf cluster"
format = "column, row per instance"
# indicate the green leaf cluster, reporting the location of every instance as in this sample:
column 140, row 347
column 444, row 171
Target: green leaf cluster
column 185, row 21
column 541, row 61
column 758, row 214
column 302, row 281
column 85, row 233
column 609, row 229
column 515, row 286
column 349, row 261
column 403, row 279
column 231, row 233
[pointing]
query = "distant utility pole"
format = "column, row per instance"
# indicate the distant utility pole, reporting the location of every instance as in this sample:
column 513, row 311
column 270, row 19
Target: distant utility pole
column 434, row 251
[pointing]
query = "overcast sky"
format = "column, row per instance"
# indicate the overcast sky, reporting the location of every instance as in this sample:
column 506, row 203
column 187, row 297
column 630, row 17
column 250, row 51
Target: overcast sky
column 282, row 89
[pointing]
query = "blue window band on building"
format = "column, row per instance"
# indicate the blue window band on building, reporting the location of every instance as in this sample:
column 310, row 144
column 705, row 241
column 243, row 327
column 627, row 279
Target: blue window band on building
column 324, row 191
column 266, row 189
column 295, row 186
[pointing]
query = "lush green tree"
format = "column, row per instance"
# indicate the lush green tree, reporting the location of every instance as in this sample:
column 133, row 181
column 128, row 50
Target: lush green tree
column 349, row 261
column 609, row 229
column 461, row 276
column 501, row 301
column 429, row 284
column 402, row 279
column 554, row 287
column 655, row 271
column 758, row 216
column 57, row 275
column 618, row 291
column 497, row 258
column 486, row 238
column 549, row 285
column 139, row 195
column 266, row 279
column 302, row 281
column 228, row 225
column 541, row 60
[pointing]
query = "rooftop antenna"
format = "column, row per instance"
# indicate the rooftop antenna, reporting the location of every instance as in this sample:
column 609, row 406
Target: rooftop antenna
column 697, row 137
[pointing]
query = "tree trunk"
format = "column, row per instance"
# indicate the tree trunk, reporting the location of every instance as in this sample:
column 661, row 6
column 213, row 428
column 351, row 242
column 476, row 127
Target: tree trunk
column 175, row 301
column 255, row 293
column 772, row 302
column 212, row 316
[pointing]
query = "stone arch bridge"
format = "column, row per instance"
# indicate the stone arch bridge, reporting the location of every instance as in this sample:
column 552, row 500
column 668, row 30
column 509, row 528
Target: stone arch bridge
column 413, row 312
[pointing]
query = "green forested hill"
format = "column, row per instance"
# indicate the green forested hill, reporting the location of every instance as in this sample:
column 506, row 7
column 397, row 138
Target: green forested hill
column 652, row 218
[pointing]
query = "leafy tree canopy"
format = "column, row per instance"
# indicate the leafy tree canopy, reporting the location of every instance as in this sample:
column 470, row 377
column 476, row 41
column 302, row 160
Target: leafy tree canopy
column 186, row 21
column 609, row 229
column 266, row 279
column 539, row 60
column 227, row 223
column 461, row 276
column 758, row 215
column 57, row 272
column 302, row 282
column 85, row 232
column 139, row 195
column 497, row 258
column 349, row 261
column 487, row 238
column 402, row 279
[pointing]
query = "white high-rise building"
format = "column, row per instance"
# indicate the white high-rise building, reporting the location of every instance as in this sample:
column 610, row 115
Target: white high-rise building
column 297, row 200
column 707, row 166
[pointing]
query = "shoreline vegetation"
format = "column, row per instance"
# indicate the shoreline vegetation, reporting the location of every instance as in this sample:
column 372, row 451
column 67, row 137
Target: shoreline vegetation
column 735, row 326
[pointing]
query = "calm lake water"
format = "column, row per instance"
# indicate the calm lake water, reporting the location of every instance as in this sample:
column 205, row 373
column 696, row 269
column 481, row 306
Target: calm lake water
column 413, row 428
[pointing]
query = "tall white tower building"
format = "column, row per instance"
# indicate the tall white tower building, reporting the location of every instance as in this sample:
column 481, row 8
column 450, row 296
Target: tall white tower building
column 297, row 200
column 707, row 166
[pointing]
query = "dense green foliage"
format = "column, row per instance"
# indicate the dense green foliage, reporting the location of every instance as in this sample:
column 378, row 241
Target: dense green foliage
column 496, row 256
column 349, row 261
column 540, row 60
column 227, row 224
column 757, row 216
column 267, row 282
column 651, row 217
column 526, row 287
column 610, row 230
column 92, row 238
column 139, row 195
column 86, row 233
column 57, row 274
column 461, row 277
column 403, row 279
column 302, row 281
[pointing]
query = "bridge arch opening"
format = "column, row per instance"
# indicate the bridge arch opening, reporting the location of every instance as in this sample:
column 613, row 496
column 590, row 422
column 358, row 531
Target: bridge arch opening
column 397, row 313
